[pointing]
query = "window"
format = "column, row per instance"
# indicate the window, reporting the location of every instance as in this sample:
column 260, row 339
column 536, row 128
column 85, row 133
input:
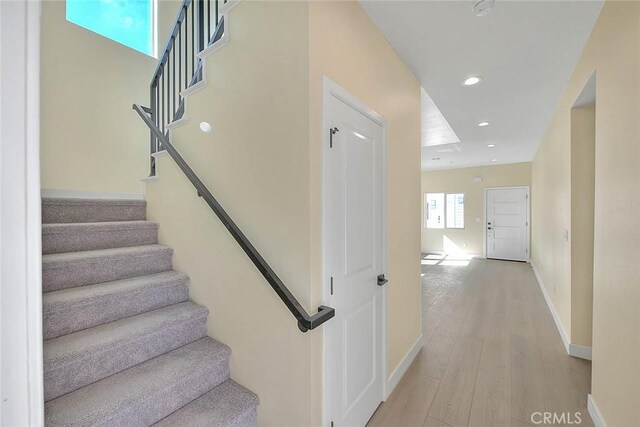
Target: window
column 129, row 22
column 455, row 210
column 436, row 210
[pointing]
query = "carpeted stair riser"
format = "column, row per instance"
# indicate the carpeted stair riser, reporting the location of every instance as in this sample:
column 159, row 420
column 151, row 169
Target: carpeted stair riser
column 58, row 238
column 123, row 344
column 71, row 269
column 146, row 393
column 76, row 360
column 74, row 309
column 229, row 405
column 55, row 211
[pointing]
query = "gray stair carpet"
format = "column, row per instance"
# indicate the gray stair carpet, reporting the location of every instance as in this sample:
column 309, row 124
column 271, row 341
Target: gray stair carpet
column 75, row 360
column 148, row 392
column 69, row 211
column 229, row 404
column 70, row 310
column 58, row 238
column 124, row 346
column 71, row 269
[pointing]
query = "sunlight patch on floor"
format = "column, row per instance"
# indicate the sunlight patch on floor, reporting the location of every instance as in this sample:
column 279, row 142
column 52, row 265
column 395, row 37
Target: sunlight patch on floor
column 450, row 260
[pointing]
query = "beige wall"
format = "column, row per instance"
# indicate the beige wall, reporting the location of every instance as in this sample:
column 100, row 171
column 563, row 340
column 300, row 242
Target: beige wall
column 470, row 239
column 91, row 139
column 263, row 163
column 583, row 138
column 256, row 162
column 613, row 52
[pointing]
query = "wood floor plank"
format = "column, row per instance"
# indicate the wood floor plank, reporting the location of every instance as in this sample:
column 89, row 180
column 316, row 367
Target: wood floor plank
column 492, row 396
column 492, row 353
column 528, row 385
column 455, row 392
column 409, row 403
column 412, row 406
column 432, row 422
column 434, row 358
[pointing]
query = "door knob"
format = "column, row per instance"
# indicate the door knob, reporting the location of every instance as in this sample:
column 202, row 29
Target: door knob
column 382, row 280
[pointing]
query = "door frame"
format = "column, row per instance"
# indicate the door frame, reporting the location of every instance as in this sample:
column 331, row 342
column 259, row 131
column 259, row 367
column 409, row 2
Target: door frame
column 484, row 212
column 21, row 376
column 331, row 89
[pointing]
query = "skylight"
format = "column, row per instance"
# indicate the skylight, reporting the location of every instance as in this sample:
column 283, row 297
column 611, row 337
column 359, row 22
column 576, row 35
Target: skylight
column 129, row 22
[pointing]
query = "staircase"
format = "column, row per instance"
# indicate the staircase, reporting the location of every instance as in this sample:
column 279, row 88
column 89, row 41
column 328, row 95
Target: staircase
column 123, row 345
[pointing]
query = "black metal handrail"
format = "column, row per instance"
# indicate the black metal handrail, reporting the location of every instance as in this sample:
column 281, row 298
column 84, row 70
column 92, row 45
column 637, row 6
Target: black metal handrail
column 305, row 321
column 197, row 26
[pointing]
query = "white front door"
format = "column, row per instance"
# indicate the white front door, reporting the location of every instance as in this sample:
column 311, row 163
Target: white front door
column 353, row 256
column 507, row 225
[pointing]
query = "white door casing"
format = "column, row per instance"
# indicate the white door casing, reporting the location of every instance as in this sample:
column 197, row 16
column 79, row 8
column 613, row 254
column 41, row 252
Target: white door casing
column 354, row 257
column 21, row 377
column 507, row 223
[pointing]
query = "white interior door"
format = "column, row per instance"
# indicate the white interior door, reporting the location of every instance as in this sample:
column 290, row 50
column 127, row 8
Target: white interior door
column 508, row 223
column 353, row 256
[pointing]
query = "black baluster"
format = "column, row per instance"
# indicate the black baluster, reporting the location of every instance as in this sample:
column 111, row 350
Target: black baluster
column 186, row 52
column 200, row 25
column 179, row 61
column 162, row 103
column 193, row 38
column 173, row 79
column 217, row 14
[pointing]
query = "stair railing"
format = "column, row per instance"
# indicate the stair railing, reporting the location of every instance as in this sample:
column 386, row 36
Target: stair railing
column 198, row 25
column 305, row 321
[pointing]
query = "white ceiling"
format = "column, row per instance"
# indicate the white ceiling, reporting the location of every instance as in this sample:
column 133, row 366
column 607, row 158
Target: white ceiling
column 524, row 50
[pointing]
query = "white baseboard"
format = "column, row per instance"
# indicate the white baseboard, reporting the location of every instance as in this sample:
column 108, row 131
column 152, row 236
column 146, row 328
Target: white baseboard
column 574, row 350
column 556, row 318
column 401, row 369
column 73, row 194
column 594, row 412
column 580, row 351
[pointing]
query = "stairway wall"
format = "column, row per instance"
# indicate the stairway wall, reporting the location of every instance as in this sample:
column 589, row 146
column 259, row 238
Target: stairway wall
column 91, row 140
column 262, row 162
column 256, row 162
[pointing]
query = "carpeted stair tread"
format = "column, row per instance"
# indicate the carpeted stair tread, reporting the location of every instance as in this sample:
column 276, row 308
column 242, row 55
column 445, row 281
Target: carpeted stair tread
column 71, row 310
column 58, row 238
column 145, row 393
column 71, row 269
column 75, row 360
column 227, row 405
column 58, row 210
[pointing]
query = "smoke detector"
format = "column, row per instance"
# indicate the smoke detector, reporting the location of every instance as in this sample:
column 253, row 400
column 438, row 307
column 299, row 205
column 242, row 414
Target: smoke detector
column 483, row 7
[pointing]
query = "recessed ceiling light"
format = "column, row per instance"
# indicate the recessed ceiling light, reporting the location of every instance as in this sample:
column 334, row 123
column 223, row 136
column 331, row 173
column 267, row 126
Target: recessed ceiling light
column 205, row 127
column 494, row 160
column 470, row 81
column 491, row 145
column 483, row 124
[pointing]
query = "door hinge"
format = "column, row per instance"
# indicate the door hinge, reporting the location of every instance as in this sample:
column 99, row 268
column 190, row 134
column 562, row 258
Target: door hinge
column 332, row 132
column 527, row 223
column 331, row 285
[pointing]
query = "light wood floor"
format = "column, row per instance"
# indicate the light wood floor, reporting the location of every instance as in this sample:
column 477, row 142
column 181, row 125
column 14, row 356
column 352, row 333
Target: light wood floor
column 492, row 355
